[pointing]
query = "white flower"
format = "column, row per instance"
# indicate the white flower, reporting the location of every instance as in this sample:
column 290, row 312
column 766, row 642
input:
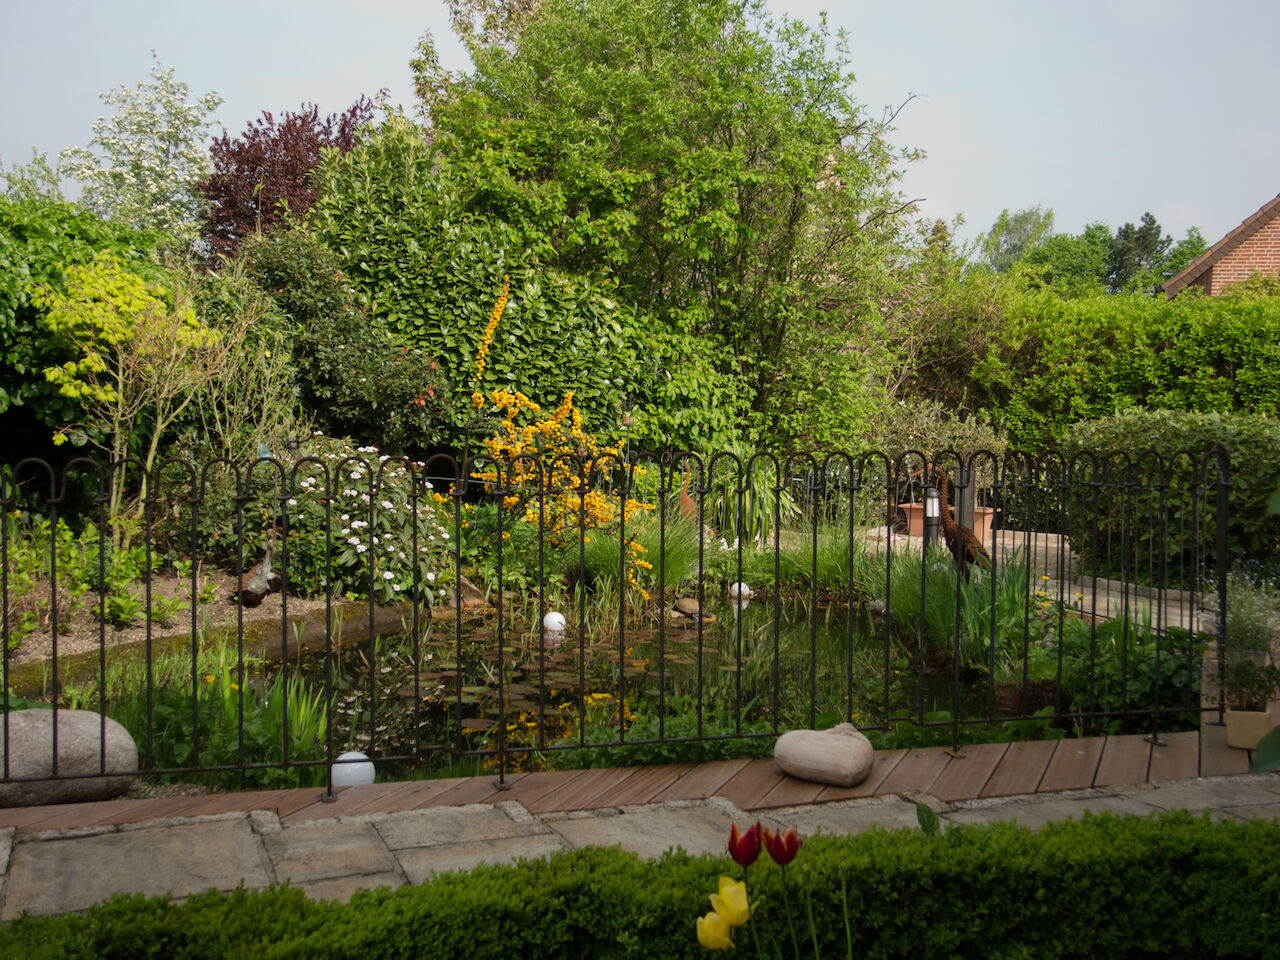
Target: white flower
column 431, row 577
column 354, row 541
column 346, row 517
column 388, row 575
column 375, row 541
column 361, row 548
column 292, row 502
column 356, row 474
column 386, row 505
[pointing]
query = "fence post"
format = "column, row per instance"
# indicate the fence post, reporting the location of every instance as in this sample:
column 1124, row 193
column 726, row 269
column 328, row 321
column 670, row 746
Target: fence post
column 1222, row 559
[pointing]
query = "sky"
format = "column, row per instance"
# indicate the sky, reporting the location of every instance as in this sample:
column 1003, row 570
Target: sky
column 1100, row 110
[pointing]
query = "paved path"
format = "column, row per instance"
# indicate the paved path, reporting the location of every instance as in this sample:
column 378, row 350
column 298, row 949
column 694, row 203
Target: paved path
column 58, row 859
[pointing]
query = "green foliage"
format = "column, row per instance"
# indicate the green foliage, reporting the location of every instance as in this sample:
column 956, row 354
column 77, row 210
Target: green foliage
column 1058, row 361
column 139, row 357
column 39, row 238
column 712, row 162
column 147, row 159
column 212, row 714
column 929, row 427
column 429, row 269
column 1013, row 236
column 1254, row 445
column 994, row 891
column 354, row 378
column 1117, row 666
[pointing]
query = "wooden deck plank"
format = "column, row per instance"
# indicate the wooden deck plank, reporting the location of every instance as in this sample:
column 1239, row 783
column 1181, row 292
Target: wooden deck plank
column 216, row 803
column 1216, row 758
column 646, row 784
column 1179, row 759
column 156, row 808
column 1073, row 765
column 702, row 781
column 1125, row 759
column 791, row 792
column 74, row 815
column 747, row 787
column 419, row 794
column 470, row 790
column 881, row 767
column 351, row 800
column 581, row 792
column 964, row 777
column 916, row 772
column 1020, row 769
column 527, row 788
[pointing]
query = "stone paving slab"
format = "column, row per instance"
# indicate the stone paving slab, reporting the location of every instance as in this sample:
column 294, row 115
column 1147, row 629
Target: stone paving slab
column 1209, row 794
column 341, row 888
column 1035, row 813
column 327, row 849
column 59, row 874
column 418, row 863
column 651, row 831
column 848, row 816
column 453, row 825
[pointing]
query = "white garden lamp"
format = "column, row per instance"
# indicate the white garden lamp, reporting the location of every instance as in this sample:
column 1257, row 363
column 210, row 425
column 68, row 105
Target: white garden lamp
column 352, row 769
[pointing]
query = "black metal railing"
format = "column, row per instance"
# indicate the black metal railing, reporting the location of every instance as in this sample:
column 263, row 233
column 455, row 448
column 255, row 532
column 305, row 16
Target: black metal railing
column 523, row 611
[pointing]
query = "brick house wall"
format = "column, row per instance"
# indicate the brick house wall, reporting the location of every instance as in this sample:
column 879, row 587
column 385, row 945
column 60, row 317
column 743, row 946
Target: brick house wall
column 1260, row 253
column 1253, row 247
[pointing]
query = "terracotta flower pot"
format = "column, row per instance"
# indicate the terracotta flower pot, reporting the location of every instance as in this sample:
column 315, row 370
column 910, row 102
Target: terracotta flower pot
column 1246, row 727
column 982, row 520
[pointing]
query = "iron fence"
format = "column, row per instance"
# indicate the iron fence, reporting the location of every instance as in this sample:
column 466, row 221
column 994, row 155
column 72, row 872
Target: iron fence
column 622, row 609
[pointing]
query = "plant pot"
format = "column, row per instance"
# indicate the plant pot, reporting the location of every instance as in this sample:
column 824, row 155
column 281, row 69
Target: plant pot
column 982, row 520
column 1246, row 727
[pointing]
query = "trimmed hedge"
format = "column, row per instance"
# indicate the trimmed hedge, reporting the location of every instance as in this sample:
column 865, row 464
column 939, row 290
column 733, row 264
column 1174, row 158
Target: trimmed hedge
column 1172, row 885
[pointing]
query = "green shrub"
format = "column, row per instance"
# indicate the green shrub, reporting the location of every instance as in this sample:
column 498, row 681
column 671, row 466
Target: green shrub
column 1181, row 440
column 1172, row 885
column 357, row 377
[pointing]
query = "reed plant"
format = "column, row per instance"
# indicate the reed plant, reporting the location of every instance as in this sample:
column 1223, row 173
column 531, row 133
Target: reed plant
column 219, row 711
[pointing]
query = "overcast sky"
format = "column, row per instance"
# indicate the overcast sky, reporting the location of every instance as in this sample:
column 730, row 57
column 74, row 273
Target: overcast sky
column 1098, row 109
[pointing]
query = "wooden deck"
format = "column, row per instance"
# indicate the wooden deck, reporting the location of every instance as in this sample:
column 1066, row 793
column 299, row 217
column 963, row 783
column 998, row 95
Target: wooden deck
column 984, row 770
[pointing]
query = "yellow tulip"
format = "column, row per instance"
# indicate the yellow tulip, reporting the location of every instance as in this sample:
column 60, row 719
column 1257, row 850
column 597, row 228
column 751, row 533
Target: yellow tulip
column 731, row 902
column 713, row 932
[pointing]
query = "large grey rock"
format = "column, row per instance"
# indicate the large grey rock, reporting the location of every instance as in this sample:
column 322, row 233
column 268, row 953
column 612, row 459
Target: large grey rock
column 840, row 756
column 80, row 744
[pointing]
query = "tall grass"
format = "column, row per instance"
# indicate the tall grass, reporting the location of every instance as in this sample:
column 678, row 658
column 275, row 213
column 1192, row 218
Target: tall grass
column 221, row 716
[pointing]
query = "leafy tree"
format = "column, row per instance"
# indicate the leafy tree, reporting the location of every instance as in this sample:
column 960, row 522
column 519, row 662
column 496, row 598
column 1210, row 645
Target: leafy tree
column 35, row 178
column 1072, row 264
column 139, row 357
column 1014, row 235
column 1137, row 253
column 709, row 159
column 384, row 389
column 39, row 237
column 1183, row 252
column 267, row 170
column 149, row 156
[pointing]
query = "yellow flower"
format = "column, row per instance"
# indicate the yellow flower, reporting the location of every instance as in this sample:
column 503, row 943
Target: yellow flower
column 209, row 678
column 713, row 932
column 731, row 902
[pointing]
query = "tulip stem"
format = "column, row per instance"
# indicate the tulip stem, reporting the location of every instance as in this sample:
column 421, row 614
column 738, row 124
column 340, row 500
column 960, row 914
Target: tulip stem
column 848, row 931
column 791, row 917
column 813, row 930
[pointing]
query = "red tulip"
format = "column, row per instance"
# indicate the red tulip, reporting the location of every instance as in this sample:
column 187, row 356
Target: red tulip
column 782, row 847
column 745, row 847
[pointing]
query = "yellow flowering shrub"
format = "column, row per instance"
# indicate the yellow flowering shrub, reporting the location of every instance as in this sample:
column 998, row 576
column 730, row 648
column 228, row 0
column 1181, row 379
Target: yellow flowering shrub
column 546, row 459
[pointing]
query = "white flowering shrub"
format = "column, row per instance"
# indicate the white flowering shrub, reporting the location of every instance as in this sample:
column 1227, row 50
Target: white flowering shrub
column 387, row 535
column 147, row 159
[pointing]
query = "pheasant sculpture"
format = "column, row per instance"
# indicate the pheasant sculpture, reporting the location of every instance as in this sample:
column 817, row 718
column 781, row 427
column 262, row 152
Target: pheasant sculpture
column 964, row 546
